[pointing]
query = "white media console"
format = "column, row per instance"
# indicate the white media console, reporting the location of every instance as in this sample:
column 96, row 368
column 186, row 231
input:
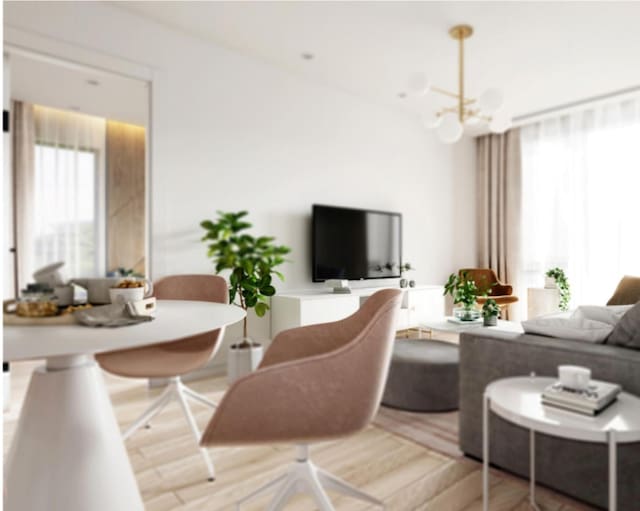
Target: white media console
column 298, row 308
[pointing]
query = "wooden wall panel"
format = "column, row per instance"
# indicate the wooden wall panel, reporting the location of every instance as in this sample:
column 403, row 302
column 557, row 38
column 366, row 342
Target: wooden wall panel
column 126, row 191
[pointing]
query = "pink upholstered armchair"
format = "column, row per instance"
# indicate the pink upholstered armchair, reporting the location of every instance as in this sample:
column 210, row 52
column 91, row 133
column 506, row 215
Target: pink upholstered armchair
column 315, row 383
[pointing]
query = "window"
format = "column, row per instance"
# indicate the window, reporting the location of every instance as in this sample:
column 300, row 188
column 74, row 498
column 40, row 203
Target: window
column 580, row 184
column 65, row 209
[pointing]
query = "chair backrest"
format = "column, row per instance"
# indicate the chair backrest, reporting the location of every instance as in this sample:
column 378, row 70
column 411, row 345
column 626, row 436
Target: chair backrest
column 484, row 278
column 325, row 395
column 204, row 288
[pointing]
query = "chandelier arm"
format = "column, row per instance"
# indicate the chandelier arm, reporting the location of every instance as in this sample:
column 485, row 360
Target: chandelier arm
column 444, row 92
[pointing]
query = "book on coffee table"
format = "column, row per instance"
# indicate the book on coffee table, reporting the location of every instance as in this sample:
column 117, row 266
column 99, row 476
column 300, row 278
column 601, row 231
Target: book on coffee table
column 590, row 401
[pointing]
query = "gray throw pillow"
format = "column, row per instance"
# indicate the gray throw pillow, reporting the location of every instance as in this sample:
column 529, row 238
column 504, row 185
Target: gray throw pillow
column 627, row 332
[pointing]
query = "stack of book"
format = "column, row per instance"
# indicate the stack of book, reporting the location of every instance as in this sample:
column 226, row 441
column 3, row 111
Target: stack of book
column 590, row 401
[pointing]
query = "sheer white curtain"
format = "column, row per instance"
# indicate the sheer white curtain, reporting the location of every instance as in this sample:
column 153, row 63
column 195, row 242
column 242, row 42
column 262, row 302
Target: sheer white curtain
column 581, row 198
column 60, row 198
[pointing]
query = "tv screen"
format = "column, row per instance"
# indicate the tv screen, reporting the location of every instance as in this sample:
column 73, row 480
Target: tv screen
column 355, row 244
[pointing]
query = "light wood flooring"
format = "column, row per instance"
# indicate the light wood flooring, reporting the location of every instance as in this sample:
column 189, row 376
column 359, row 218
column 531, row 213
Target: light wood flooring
column 382, row 460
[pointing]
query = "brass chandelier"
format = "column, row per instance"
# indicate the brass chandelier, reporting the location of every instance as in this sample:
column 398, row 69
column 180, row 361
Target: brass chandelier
column 450, row 121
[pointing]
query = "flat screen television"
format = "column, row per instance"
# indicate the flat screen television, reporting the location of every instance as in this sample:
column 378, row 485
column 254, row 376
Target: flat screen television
column 355, row 244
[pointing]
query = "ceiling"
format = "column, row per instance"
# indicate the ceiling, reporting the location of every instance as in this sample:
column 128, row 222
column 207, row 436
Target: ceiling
column 541, row 54
column 78, row 89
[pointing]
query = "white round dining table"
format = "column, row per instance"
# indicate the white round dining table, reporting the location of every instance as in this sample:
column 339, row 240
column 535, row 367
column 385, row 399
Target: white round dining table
column 67, row 452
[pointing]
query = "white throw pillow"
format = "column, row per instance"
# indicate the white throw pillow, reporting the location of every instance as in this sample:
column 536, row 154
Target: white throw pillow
column 606, row 314
column 575, row 329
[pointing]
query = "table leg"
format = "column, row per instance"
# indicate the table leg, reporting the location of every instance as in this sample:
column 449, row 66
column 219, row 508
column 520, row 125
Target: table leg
column 485, row 453
column 67, row 452
column 613, row 467
column 532, row 470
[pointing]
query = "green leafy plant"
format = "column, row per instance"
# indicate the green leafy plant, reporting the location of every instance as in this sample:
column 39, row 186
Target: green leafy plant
column 463, row 290
column 561, row 280
column 405, row 267
column 250, row 260
column 490, row 309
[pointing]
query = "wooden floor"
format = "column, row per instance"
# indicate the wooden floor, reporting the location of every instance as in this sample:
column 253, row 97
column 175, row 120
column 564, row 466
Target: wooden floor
column 383, row 460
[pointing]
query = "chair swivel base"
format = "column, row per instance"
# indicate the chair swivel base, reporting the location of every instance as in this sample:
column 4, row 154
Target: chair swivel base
column 304, row 477
column 176, row 391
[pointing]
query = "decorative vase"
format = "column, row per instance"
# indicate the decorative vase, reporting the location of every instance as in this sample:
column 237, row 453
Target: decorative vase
column 412, row 283
column 550, row 283
column 490, row 320
column 466, row 314
column 403, row 283
column 243, row 360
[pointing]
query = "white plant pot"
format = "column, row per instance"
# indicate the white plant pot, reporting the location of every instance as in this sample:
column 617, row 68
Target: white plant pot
column 242, row 361
column 550, row 283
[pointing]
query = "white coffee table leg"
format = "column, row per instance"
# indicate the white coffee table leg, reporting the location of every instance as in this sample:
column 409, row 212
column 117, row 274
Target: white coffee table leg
column 532, row 470
column 67, row 451
column 613, row 468
column 485, row 453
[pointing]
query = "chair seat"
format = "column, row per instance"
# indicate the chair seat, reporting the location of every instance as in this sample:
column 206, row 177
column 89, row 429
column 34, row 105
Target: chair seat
column 500, row 300
column 159, row 360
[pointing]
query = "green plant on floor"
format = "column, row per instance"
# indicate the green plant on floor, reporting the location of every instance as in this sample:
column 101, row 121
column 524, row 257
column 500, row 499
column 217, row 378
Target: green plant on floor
column 490, row 309
column 562, row 282
column 251, row 261
column 463, row 290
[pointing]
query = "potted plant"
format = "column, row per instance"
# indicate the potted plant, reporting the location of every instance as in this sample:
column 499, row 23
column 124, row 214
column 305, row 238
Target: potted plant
column 560, row 281
column 405, row 267
column 490, row 312
column 251, row 262
column 464, row 292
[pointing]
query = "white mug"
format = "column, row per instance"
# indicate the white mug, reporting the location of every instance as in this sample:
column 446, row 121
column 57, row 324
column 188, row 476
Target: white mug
column 126, row 294
column 574, row 377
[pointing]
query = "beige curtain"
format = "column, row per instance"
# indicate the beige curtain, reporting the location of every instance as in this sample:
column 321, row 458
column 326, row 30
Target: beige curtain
column 499, row 207
column 24, row 183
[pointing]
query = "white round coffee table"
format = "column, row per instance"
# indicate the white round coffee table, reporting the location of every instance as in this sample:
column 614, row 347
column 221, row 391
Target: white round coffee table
column 518, row 400
column 67, row 451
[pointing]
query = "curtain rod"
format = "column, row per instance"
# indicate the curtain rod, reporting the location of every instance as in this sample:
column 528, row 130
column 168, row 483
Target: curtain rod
column 519, row 120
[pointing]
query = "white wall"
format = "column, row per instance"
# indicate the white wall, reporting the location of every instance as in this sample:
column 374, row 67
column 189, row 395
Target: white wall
column 230, row 132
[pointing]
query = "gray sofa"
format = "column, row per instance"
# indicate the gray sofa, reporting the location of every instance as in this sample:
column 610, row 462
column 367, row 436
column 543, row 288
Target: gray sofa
column 578, row 469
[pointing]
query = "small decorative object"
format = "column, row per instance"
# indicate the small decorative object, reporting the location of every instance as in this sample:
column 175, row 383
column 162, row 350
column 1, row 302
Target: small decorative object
column 490, row 312
column 340, row 287
column 37, row 301
column 50, row 275
column 574, row 377
column 129, row 291
column 252, row 261
column 465, row 292
column 562, row 283
column 412, row 283
column 403, row 269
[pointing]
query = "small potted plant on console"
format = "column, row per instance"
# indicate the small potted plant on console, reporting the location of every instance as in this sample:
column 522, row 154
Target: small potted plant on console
column 404, row 268
column 465, row 293
column 490, row 312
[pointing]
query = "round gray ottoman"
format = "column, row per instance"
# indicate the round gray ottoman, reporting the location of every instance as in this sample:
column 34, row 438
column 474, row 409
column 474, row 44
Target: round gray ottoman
column 423, row 376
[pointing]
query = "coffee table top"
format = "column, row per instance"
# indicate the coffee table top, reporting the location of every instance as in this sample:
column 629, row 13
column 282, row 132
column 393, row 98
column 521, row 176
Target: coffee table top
column 444, row 325
column 518, row 400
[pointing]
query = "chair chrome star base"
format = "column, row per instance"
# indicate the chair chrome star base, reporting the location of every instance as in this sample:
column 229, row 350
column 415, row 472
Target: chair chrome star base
column 176, row 391
column 305, row 477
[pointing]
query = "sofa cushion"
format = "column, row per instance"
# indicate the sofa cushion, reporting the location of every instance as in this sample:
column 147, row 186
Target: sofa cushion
column 627, row 332
column 627, row 292
column 606, row 314
column 575, row 329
